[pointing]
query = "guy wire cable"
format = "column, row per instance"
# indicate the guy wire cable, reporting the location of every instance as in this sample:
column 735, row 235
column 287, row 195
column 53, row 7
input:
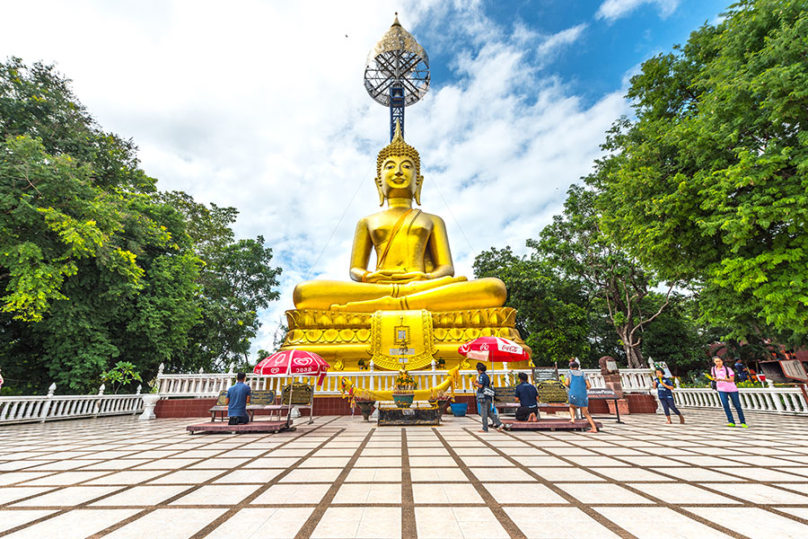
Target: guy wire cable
column 334, row 231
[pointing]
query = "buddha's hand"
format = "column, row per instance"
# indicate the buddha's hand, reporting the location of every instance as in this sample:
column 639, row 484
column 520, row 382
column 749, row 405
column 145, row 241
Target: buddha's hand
column 396, row 276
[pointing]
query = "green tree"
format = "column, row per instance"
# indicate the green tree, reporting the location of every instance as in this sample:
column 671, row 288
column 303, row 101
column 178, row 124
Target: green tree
column 708, row 184
column 235, row 284
column 96, row 266
column 577, row 248
column 551, row 313
column 122, row 374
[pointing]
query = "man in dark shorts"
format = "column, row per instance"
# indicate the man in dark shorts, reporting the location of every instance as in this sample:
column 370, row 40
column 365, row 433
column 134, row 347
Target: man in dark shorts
column 238, row 397
column 528, row 401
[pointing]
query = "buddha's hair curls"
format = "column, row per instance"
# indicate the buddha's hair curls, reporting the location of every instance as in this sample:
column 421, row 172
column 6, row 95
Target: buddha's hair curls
column 398, row 148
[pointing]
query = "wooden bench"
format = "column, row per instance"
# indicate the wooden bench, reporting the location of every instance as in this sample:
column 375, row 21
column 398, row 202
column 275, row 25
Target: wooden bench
column 549, row 424
column 259, row 400
column 255, row 426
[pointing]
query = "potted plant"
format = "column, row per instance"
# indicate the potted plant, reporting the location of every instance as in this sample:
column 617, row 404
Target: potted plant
column 404, row 391
column 440, row 400
column 365, row 407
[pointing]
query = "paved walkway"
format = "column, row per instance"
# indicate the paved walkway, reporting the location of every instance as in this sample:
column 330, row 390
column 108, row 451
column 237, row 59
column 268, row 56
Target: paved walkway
column 342, row 477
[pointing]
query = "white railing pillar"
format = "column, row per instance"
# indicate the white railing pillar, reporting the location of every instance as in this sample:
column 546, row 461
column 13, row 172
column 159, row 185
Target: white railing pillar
column 47, row 404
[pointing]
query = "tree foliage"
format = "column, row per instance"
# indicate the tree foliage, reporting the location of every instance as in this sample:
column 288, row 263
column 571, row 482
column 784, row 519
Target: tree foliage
column 97, row 266
column 577, row 248
column 710, row 183
column 551, row 313
column 237, row 282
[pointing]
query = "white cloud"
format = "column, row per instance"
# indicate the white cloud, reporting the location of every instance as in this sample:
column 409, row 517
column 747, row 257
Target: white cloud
column 566, row 37
column 261, row 106
column 614, row 9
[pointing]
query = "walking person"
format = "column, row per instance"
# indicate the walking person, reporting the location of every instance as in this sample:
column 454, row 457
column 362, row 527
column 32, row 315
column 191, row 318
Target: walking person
column 741, row 371
column 485, row 398
column 578, row 385
column 664, row 387
column 727, row 390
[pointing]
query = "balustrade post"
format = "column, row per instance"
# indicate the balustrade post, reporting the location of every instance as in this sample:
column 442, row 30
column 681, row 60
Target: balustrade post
column 98, row 400
column 46, row 406
column 372, row 376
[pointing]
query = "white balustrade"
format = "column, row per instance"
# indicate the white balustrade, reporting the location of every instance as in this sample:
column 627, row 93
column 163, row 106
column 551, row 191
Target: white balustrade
column 210, row 384
column 782, row 400
column 50, row 407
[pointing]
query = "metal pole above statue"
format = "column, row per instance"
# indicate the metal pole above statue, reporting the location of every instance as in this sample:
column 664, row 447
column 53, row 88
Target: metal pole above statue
column 397, row 73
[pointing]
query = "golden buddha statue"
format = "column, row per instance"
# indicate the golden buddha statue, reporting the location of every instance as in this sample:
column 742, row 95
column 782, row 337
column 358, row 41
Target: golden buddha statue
column 410, row 309
column 414, row 267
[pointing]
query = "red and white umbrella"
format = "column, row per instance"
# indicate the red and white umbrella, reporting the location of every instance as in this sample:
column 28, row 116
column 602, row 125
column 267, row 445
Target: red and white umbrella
column 494, row 349
column 293, row 363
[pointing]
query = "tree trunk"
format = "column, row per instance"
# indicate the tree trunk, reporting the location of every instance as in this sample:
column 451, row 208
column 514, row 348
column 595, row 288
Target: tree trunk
column 633, row 354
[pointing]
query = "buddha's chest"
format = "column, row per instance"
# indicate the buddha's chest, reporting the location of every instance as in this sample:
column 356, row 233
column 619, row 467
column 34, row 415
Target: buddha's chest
column 408, row 233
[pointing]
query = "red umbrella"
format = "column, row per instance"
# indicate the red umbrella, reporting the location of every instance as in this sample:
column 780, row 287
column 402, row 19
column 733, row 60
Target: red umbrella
column 494, row 349
column 293, row 363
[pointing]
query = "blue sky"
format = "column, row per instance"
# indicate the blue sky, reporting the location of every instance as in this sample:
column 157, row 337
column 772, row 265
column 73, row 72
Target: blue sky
column 260, row 105
column 607, row 48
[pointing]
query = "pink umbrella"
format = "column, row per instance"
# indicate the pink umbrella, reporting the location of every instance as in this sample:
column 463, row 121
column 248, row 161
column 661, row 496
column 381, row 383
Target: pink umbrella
column 293, row 363
column 494, row 349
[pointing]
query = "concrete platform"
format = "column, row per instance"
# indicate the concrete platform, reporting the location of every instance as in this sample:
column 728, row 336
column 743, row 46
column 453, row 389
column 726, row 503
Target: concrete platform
column 345, row 478
column 550, row 424
column 252, row 427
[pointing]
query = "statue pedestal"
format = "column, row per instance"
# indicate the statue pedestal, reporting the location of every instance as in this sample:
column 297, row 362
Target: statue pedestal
column 613, row 382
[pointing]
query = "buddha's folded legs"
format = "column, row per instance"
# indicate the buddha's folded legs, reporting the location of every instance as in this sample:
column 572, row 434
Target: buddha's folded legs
column 446, row 293
column 479, row 294
column 323, row 294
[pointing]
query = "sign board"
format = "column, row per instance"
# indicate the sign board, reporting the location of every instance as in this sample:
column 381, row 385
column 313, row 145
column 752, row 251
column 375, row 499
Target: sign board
column 611, row 366
column 601, row 393
column 505, row 394
column 542, row 374
column 402, row 351
column 551, row 391
column 794, row 369
column 262, row 397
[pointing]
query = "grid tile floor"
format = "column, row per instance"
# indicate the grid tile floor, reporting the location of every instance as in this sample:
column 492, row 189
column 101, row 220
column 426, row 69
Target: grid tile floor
column 345, row 478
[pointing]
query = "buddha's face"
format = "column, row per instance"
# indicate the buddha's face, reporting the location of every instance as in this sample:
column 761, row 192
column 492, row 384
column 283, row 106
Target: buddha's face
column 398, row 177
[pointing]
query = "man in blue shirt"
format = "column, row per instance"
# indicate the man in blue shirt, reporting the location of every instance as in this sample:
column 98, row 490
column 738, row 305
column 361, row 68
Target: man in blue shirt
column 528, row 401
column 741, row 372
column 238, row 397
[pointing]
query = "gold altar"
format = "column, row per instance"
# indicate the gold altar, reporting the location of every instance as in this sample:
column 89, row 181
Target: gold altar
column 410, row 309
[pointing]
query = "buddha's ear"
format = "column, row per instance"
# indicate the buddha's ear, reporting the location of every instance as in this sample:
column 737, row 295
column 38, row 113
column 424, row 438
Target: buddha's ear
column 379, row 189
column 418, row 184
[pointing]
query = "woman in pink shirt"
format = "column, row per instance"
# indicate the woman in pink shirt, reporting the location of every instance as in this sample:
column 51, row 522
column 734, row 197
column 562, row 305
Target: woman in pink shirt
column 727, row 390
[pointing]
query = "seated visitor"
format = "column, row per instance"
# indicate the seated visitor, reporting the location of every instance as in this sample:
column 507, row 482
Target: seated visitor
column 414, row 268
column 528, row 400
column 238, row 397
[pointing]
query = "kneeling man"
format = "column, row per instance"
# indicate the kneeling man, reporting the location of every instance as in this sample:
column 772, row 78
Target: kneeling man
column 238, row 397
column 528, row 401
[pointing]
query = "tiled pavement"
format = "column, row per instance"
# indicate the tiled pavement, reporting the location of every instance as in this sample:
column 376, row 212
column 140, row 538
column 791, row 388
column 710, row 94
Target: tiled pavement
column 342, row 477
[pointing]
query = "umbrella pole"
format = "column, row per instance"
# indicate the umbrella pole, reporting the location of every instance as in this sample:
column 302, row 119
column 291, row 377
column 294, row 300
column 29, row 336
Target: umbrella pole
column 289, row 411
column 311, row 408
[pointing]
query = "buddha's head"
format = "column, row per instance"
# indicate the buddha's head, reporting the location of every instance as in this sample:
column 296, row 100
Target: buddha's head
column 398, row 171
